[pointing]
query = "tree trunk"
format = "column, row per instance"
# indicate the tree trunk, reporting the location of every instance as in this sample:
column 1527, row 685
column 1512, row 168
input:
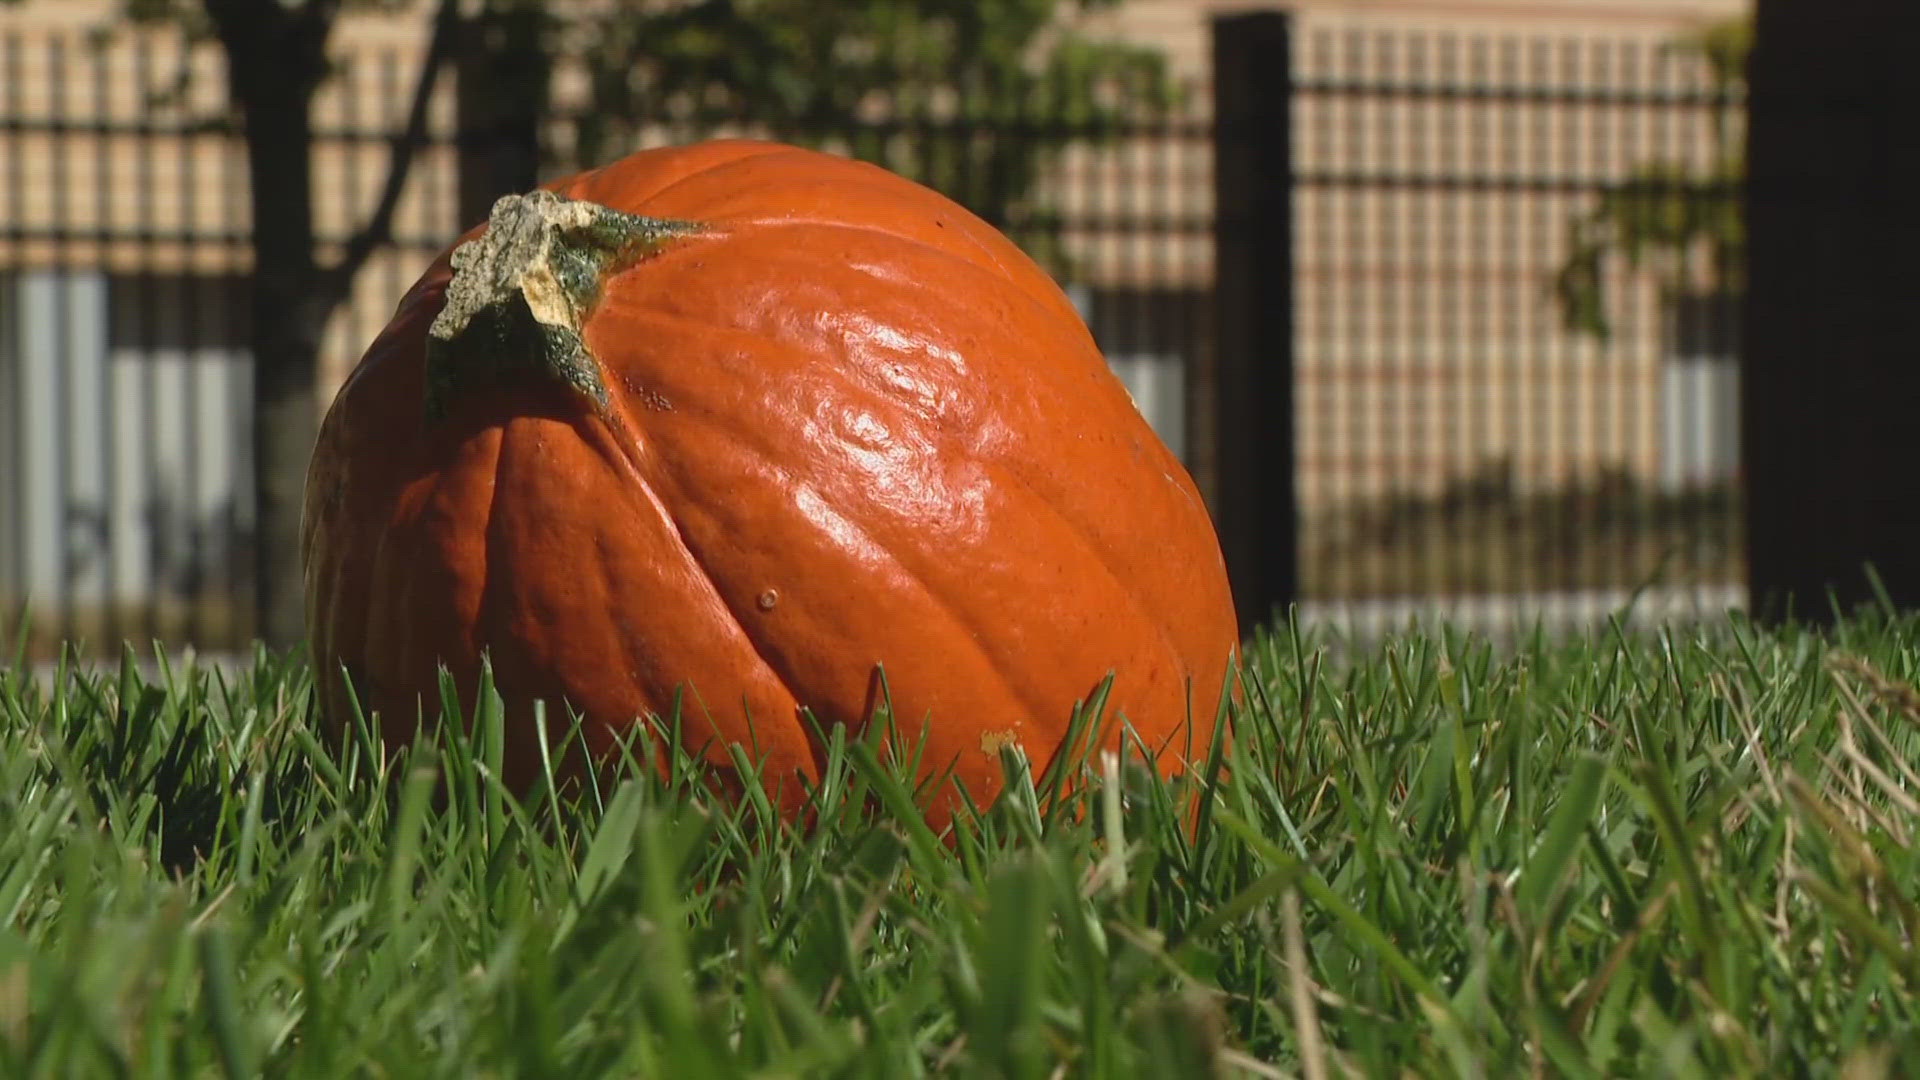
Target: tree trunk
column 277, row 58
column 504, row 73
column 290, row 309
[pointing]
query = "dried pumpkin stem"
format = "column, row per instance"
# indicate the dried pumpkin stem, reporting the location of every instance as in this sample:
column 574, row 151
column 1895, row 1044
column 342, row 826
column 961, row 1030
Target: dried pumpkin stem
column 522, row 291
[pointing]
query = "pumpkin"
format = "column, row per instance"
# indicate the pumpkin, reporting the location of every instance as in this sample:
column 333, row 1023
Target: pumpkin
column 741, row 430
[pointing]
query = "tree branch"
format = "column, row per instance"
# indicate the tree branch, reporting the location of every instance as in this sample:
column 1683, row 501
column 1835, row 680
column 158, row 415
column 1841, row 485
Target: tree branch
column 379, row 227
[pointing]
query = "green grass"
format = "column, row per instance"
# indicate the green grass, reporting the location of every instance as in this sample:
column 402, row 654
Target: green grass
column 1675, row 855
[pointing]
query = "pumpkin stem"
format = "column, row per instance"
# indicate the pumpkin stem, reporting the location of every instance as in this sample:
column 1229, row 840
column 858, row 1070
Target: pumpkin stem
column 521, row 293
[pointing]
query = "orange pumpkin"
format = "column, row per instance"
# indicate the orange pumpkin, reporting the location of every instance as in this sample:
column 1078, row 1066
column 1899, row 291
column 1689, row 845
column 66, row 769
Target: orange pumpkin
column 755, row 423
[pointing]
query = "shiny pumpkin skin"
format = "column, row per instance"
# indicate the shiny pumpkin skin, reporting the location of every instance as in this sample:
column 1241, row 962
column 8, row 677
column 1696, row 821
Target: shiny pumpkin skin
column 851, row 427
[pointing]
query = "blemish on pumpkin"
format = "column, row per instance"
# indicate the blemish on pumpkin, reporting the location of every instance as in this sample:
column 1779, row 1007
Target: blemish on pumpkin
column 992, row 742
column 767, row 599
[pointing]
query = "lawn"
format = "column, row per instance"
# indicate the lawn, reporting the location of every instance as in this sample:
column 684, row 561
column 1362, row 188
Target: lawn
column 1626, row 856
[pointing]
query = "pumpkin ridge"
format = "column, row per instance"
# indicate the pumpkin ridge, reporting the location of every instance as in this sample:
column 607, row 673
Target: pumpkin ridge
column 1029, row 698
column 634, row 458
column 597, row 435
column 952, row 443
column 1093, row 554
column 1003, row 469
column 1097, row 556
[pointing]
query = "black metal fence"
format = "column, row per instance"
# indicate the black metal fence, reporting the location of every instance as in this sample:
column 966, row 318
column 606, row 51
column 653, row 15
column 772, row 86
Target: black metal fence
column 1515, row 272
column 1449, row 202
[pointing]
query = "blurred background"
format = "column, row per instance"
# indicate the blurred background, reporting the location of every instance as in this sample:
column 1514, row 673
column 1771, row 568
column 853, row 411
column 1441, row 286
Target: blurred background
column 1438, row 300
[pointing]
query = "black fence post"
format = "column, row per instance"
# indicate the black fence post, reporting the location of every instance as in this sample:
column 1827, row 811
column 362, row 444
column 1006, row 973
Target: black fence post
column 1832, row 365
column 1253, row 289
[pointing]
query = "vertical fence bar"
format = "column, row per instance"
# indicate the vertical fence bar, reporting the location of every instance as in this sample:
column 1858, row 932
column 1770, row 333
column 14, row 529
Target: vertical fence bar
column 1536, row 218
column 1637, row 368
column 1568, row 157
column 1833, row 224
column 1253, row 185
column 1192, row 339
column 115, row 486
column 192, row 494
column 1725, row 497
column 1596, row 373
column 1391, row 405
column 1667, row 141
column 1469, row 245
column 55, row 348
column 1334, row 568
column 142, row 421
column 1356, row 370
column 13, row 522
column 236, row 331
